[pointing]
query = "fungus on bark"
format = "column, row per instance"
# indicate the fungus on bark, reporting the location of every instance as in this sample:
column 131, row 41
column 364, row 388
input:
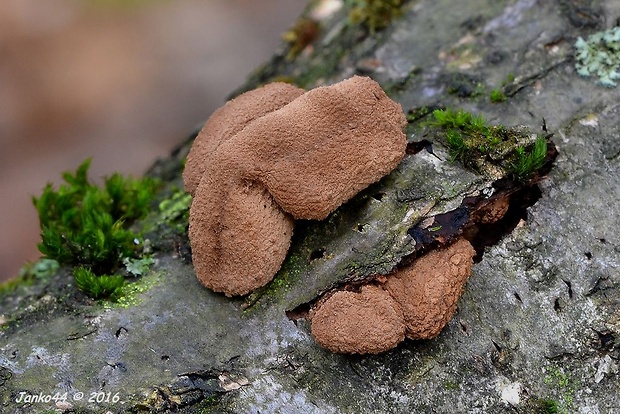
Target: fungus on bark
column 299, row 160
column 417, row 302
column 428, row 290
column 368, row 322
column 230, row 119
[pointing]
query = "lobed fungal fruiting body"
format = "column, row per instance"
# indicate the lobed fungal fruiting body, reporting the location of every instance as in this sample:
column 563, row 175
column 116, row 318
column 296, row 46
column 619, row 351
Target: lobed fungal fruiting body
column 365, row 322
column 230, row 119
column 273, row 155
column 428, row 290
column 416, row 302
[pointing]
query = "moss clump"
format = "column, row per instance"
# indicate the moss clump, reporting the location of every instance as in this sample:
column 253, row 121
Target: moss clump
column 98, row 287
column 547, row 406
column 600, row 56
column 478, row 145
column 465, row 132
column 83, row 224
column 497, row 96
column 461, row 120
column 373, row 14
column 527, row 162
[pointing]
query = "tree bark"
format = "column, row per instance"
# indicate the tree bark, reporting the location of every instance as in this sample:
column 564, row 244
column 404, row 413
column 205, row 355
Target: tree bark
column 537, row 330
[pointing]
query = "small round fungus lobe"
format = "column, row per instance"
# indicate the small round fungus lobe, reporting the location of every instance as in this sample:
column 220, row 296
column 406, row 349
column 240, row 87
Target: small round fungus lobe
column 230, row 119
column 368, row 322
column 239, row 235
column 428, row 290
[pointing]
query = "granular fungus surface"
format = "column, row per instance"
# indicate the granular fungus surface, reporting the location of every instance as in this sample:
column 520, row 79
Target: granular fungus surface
column 273, row 155
column 417, row 302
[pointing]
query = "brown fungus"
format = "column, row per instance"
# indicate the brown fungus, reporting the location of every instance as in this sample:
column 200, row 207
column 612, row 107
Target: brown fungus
column 230, row 119
column 368, row 322
column 301, row 160
column 416, row 302
column 428, row 290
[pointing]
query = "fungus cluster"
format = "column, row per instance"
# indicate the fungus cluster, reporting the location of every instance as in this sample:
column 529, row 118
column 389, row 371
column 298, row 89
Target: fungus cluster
column 276, row 154
column 416, row 302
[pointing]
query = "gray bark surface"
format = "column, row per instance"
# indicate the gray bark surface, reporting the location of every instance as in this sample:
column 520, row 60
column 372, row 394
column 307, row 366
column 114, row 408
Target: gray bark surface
column 537, row 330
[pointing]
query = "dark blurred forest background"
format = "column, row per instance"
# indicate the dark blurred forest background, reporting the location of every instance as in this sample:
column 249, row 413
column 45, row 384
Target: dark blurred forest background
column 121, row 81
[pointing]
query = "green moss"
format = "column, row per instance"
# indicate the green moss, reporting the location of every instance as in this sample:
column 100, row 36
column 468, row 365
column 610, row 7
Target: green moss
column 86, row 225
column 461, row 120
column 373, row 14
column 98, row 287
column 488, row 148
column 455, row 141
column 497, row 96
column 599, row 56
column 547, row 406
column 465, row 133
column 528, row 162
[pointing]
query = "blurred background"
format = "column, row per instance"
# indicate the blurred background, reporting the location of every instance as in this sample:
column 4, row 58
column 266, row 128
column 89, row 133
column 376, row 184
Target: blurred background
column 121, row 81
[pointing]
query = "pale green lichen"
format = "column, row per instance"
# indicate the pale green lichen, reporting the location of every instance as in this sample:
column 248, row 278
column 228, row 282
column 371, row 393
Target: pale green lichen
column 175, row 210
column 40, row 269
column 599, row 56
column 130, row 292
column 563, row 387
column 138, row 267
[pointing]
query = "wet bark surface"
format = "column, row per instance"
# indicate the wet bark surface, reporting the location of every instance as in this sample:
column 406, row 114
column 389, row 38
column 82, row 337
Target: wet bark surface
column 537, row 328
